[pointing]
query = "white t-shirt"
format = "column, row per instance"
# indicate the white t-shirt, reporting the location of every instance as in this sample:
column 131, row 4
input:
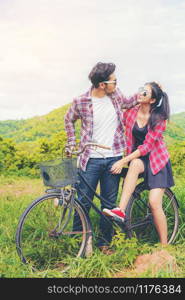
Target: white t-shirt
column 105, row 123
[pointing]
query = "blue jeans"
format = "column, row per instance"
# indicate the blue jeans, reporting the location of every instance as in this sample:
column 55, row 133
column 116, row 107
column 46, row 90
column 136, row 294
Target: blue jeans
column 98, row 170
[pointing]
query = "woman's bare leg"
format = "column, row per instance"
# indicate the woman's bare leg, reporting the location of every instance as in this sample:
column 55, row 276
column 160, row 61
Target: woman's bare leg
column 135, row 168
column 155, row 200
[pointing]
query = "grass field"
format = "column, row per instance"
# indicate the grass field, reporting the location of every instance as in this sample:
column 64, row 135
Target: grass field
column 17, row 193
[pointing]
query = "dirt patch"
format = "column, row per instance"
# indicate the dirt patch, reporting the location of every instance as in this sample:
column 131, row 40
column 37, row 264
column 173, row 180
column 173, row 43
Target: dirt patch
column 22, row 188
column 154, row 263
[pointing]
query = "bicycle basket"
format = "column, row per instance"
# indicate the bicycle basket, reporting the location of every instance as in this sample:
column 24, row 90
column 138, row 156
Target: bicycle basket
column 59, row 172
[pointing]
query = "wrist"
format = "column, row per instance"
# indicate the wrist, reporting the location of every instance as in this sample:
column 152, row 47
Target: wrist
column 126, row 159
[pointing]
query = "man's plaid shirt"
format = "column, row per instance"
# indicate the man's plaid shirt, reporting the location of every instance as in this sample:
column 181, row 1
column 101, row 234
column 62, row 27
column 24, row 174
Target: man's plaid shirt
column 82, row 108
column 153, row 143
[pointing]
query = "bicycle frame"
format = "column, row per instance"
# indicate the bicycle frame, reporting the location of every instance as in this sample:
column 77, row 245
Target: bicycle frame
column 122, row 225
column 114, row 220
column 89, row 200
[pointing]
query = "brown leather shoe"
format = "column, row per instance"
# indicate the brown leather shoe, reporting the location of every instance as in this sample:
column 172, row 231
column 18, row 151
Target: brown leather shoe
column 106, row 250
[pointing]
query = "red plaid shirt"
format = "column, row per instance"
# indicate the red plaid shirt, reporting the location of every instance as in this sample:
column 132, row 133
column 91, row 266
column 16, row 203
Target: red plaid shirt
column 82, row 108
column 152, row 144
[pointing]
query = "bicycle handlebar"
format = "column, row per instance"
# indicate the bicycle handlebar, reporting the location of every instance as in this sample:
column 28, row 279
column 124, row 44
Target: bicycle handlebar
column 85, row 146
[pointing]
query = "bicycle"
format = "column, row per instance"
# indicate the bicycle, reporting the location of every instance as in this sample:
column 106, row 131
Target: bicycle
column 45, row 234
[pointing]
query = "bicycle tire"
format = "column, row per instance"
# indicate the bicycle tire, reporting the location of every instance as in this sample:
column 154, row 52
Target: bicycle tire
column 139, row 218
column 38, row 237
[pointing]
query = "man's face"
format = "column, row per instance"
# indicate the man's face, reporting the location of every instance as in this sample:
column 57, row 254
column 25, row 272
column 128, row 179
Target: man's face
column 109, row 86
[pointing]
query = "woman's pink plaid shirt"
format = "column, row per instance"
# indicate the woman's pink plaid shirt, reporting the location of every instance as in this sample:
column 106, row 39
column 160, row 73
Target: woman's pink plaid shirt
column 153, row 143
column 82, row 108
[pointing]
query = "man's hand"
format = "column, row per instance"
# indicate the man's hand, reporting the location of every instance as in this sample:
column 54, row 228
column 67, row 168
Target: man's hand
column 69, row 149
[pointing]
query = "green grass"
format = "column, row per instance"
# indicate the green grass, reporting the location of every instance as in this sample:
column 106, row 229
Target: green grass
column 17, row 193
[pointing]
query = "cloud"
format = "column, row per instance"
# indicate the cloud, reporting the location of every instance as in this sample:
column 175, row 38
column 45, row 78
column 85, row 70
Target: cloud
column 48, row 48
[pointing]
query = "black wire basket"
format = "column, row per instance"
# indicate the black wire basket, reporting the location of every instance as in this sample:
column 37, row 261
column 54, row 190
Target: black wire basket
column 59, row 172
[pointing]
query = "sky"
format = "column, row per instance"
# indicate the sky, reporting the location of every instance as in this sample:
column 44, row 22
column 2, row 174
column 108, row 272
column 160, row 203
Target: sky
column 48, row 48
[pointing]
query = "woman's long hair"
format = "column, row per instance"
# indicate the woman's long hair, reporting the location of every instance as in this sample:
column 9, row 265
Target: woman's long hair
column 160, row 109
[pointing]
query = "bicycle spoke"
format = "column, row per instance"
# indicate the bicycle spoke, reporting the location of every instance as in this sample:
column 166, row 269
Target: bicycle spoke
column 46, row 235
column 140, row 221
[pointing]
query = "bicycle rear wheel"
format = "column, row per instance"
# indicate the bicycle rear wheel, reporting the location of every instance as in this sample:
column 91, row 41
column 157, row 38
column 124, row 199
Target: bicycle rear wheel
column 140, row 221
column 45, row 234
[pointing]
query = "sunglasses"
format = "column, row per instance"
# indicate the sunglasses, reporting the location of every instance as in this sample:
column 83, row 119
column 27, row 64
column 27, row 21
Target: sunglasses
column 143, row 92
column 110, row 81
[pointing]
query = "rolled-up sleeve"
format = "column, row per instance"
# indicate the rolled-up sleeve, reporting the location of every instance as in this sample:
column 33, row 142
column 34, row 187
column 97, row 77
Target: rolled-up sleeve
column 127, row 103
column 151, row 137
column 69, row 119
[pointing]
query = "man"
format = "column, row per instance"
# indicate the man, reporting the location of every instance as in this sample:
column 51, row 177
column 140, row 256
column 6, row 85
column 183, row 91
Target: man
column 100, row 111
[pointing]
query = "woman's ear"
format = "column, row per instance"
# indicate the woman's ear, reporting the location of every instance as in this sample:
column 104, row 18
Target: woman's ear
column 152, row 100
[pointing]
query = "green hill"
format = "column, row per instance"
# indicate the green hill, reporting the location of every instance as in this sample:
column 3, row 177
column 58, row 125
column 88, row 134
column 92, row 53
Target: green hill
column 179, row 119
column 176, row 128
column 48, row 125
column 34, row 128
column 174, row 133
column 9, row 127
column 24, row 143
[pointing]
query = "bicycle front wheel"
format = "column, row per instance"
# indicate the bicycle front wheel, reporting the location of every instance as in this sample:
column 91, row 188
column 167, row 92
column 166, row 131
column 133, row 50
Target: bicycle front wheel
column 140, row 221
column 45, row 235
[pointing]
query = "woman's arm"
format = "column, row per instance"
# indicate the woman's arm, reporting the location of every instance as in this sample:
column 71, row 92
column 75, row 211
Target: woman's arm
column 147, row 146
column 151, row 137
column 118, row 166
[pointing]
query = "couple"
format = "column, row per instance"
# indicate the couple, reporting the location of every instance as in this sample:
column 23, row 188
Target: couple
column 138, row 129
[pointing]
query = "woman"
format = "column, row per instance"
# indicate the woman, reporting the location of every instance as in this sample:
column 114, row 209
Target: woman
column 146, row 153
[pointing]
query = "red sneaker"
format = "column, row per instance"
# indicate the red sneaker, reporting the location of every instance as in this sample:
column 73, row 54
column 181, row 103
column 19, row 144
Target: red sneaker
column 115, row 212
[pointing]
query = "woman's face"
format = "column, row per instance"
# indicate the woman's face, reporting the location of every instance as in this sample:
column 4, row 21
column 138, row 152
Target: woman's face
column 145, row 95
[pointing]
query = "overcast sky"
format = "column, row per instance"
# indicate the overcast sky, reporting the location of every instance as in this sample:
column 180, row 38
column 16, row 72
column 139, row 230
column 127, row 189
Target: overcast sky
column 48, row 47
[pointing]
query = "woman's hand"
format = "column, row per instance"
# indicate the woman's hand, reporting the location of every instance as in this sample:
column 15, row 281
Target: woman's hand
column 118, row 166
